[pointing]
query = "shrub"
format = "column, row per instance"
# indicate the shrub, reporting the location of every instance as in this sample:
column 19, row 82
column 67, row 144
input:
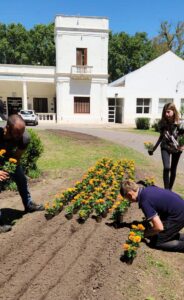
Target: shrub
column 142, row 123
column 32, row 153
column 156, row 125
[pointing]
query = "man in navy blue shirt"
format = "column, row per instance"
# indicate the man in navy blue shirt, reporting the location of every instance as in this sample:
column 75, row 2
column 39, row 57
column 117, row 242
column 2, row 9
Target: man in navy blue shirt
column 164, row 209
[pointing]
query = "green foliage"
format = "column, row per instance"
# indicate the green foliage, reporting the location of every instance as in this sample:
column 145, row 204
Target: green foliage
column 42, row 47
column 128, row 53
column 32, row 153
column 32, row 47
column 142, row 123
column 182, row 111
column 156, row 125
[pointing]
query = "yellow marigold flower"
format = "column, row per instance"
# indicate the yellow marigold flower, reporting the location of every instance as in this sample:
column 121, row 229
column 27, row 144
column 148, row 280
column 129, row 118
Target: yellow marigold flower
column 131, row 238
column 141, row 227
column 134, row 227
column 12, row 160
column 132, row 233
column 126, row 246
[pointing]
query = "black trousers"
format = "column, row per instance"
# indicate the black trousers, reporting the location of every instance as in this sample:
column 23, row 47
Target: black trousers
column 170, row 162
column 170, row 239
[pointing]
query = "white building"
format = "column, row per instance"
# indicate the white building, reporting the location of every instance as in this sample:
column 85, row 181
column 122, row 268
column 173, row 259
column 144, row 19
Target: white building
column 144, row 92
column 77, row 90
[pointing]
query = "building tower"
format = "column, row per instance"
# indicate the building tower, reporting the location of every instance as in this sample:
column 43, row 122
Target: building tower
column 81, row 69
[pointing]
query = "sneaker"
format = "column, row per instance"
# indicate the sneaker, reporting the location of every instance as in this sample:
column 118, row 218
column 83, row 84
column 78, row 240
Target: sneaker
column 5, row 228
column 34, row 207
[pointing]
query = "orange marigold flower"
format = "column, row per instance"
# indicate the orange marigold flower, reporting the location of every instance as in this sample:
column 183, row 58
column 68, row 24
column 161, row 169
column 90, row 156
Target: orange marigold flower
column 2, row 151
column 12, row 160
column 46, row 205
column 137, row 239
column 141, row 227
column 126, row 246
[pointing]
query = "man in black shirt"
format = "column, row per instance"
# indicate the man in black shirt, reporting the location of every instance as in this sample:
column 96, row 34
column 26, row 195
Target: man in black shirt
column 164, row 209
column 14, row 139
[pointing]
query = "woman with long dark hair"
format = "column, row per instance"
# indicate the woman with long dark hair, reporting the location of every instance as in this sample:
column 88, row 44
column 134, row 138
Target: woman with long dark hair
column 170, row 151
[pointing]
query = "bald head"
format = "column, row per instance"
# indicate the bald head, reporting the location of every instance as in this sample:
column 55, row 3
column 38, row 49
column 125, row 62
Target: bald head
column 15, row 127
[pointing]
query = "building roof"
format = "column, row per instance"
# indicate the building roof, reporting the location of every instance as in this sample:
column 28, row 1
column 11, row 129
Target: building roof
column 167, row 57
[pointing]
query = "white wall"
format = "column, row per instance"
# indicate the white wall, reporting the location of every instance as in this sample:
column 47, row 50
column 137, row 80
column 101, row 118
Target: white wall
column 161, row 78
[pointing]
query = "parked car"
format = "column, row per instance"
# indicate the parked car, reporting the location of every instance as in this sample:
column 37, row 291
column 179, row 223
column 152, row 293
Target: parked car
column 29, row 116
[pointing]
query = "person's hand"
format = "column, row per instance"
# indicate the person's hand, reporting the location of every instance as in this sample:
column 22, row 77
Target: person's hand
column 3, row 175
column 150, row 152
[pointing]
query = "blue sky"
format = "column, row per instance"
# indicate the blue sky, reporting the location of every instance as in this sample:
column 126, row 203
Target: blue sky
column 124, row 15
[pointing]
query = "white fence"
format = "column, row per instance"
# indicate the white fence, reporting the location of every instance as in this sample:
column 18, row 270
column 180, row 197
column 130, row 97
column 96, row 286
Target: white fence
column 47, row 117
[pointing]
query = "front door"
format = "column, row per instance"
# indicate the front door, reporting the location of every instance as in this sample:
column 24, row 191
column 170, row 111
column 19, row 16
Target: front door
column 115, row 110
column 40, row 105
column 14, row 105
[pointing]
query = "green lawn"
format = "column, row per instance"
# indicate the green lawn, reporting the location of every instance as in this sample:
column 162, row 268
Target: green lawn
column 68, row 153
column 65, row 152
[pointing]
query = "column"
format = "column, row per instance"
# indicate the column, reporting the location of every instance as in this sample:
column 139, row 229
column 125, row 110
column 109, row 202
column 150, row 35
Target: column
column 24, row 95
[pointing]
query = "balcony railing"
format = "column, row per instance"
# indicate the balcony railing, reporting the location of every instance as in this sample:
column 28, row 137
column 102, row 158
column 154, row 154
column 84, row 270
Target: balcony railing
column 81, row 72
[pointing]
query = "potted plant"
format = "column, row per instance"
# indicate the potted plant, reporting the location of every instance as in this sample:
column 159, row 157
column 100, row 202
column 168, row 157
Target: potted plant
column 52, row 209
column 69, row 212
column 100, row 209
column 119, row 209
column 148, row 146
column 130, row 247
column 84, row 213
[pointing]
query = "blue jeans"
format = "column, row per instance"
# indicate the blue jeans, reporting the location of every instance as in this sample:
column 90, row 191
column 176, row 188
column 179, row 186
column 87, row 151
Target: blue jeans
column 21, row 181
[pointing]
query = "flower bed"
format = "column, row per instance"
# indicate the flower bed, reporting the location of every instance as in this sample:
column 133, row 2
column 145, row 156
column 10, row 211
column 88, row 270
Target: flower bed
column 97, row 192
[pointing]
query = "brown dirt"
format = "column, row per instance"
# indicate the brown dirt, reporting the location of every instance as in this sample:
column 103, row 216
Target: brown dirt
column 64, row 260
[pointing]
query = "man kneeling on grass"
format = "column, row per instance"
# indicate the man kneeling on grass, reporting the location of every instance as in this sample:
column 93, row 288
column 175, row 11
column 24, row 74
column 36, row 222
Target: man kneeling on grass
column 164, row 209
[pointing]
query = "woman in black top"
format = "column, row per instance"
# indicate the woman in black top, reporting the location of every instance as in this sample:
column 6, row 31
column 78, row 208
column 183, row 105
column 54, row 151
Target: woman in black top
column 169, row 131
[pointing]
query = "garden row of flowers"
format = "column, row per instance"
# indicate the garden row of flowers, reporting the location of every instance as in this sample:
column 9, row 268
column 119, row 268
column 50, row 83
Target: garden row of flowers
column 97, row 193
column 133, row 242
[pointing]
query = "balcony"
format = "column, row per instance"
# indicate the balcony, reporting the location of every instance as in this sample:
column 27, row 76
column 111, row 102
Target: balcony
column 81, row 72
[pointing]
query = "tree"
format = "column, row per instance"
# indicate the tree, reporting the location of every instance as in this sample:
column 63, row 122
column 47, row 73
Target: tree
column 16, row 43
column 42, row 50
column 128, row 53
column 170, row 38
column 19, row 46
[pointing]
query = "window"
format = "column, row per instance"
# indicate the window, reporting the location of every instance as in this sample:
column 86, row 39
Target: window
column 143, row 105
column 81, row 56
column 162, row 102
column 81, row 105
